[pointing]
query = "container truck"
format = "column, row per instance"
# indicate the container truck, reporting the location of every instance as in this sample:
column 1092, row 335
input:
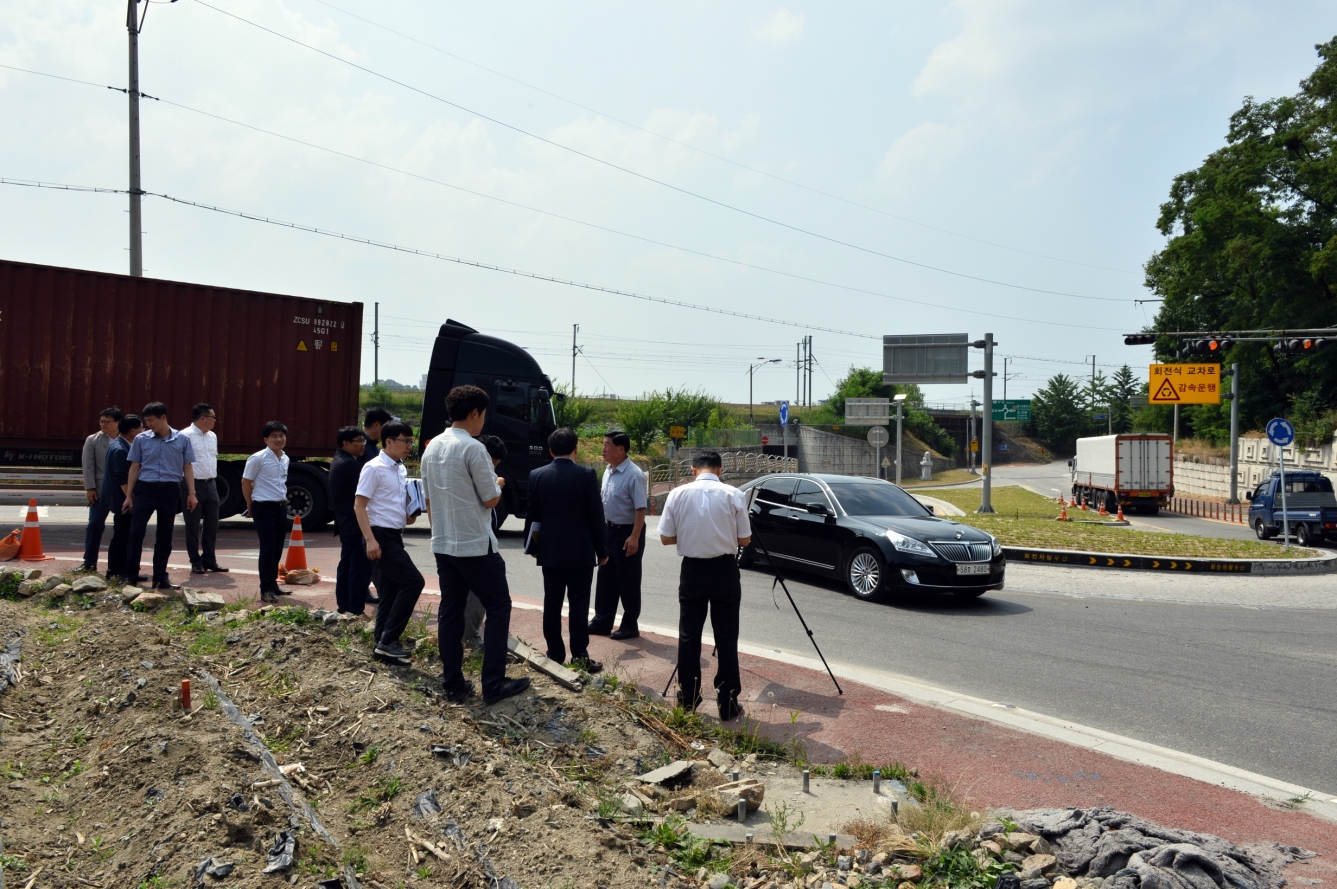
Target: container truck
column 1132, row 471
column 73, row 342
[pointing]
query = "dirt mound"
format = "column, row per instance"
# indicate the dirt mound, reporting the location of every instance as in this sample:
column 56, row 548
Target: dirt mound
column 109, row 782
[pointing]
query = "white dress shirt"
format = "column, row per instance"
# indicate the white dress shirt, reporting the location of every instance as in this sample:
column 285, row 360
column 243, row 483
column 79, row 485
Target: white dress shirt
column 382, row 483
column 206, row 452
column 707, row 516
column 459, row 478
column 268, row 472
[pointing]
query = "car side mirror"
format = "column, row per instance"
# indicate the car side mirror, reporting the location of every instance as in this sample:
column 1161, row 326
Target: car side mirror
column 818, row 509
column 931, row 510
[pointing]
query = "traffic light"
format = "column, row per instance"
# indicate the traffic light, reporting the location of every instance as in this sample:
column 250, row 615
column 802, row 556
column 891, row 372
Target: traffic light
column 1140, row 339
column 1213, row 347
column 1300, row 345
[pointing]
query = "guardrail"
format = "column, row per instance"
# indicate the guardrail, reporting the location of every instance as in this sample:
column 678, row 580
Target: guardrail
column 1234, row 513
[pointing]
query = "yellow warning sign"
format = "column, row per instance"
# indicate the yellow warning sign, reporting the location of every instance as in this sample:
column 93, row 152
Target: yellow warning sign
column 301, row 345
column 1185, row 384
column 334, row 347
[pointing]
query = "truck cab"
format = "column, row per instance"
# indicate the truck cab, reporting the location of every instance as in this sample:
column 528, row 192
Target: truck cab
column 1310, row 510
column 521, row 411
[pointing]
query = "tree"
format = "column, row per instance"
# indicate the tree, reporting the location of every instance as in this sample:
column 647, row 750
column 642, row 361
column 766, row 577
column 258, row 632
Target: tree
column 1124, row 386
column 864, row 382
column 1059, row 415
column 1252, row 244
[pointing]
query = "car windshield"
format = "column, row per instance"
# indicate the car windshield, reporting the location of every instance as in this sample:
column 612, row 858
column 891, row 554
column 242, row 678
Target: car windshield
column 874, row 499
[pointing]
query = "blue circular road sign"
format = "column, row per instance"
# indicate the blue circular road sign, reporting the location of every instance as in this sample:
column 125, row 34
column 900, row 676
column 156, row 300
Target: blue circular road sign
column 784, row 413
column 1280, row 432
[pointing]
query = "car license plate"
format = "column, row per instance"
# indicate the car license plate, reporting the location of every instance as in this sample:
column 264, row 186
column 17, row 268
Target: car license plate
column 972, row 569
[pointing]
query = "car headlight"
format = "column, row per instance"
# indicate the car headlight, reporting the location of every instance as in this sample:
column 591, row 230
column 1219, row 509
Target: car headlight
column 997, row 547
column 909, row 544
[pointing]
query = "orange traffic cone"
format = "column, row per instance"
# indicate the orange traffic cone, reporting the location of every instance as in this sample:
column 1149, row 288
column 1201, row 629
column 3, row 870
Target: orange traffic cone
column 295, row 560
column 1120, row 515
column 1083, row 506
column 30, row 544
column 1103, row 510
column 1063, row 510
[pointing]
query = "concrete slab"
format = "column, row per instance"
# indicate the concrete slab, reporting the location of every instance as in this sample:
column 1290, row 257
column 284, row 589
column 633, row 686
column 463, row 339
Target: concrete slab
column 568, row 678
column 666, row 773
column 733, row 832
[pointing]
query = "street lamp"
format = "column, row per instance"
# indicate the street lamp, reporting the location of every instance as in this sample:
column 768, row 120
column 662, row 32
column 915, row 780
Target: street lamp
column 900, row 400
column 750, row 369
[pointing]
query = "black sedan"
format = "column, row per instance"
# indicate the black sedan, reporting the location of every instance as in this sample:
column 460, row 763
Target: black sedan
column 869, row 534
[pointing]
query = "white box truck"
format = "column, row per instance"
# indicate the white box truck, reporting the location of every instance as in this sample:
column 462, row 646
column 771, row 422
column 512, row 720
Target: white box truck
column 1133, row 471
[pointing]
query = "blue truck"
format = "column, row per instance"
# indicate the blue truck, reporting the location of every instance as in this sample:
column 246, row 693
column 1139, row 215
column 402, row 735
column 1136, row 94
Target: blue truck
column 1311, row 507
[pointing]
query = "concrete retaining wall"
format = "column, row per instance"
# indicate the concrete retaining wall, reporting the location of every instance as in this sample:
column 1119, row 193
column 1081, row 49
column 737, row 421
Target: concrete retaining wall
column 820, row 451
column 1210, row 476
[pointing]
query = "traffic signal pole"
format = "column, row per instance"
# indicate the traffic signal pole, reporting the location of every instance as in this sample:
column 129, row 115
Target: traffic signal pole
column 986, row 419
column 1234, row 434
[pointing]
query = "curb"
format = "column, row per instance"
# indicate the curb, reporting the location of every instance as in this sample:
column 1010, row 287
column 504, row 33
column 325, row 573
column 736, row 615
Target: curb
column 1326, row 564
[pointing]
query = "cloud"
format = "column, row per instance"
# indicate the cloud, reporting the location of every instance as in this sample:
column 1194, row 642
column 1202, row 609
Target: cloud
column 783, row 27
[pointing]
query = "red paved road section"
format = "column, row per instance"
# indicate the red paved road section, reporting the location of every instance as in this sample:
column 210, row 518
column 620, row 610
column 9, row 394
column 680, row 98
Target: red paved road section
column 989, row 764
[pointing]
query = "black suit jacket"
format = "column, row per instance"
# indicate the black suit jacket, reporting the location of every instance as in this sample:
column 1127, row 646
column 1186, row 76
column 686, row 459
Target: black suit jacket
column 564, row 499
column 344, row 474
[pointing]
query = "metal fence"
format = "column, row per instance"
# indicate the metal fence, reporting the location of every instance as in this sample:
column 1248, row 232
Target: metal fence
column 1235, row 513
column 740, row 463
column 700, row 437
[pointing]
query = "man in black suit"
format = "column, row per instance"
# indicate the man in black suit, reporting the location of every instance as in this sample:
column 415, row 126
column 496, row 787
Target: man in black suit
column 566, row 513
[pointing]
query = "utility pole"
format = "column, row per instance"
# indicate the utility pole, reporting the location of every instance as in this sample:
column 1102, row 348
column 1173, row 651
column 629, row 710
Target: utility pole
column 575, row 350
column 1234, row 433
column 798, row 373
column 986, row 417
column 133, row 23
column 1005, row 361
column 376, row 346
column 809, row 370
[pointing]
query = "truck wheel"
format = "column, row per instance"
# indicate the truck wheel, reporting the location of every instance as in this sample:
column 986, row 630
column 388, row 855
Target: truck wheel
column 1303, row 536
column 1260, row 529
column 306, row 498
column 230, row 501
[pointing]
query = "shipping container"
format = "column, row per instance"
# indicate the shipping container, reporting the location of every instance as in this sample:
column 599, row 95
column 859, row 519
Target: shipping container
column 74, row 342
column 1133, row 471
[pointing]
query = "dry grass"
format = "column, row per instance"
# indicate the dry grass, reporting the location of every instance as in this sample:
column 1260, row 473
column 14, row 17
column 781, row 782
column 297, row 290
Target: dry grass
column 941, row 808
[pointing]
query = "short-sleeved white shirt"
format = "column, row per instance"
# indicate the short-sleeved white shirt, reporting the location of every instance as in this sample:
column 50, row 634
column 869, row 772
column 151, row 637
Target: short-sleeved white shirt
column 707, row 516
column 268, row 472
column 382, row 483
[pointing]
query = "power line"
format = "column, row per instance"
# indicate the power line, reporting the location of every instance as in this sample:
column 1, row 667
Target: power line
column 651, row 179
column 719, row 157
column 240, row 214
column 689, row 250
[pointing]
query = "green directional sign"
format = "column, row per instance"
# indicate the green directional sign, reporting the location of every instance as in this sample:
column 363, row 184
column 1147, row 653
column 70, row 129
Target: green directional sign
column 1013, row 410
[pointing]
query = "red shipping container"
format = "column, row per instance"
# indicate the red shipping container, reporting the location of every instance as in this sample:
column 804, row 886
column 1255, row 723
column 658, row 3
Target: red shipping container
column 74, row 342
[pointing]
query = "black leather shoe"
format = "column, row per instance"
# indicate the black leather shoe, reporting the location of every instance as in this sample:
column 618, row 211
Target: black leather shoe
column 731, row 710
column 598, row 631
column 460, row 695
column 373, row 600
column 197, row 569
column 509, row 688
column 589, row 665
column 217, row 569
column 164, row 585
column 620, row 634
column 267, row 596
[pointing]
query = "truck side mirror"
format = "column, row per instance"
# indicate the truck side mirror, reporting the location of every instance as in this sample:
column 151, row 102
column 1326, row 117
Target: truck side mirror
column 1248, row 495
column 560, row 396
column 545, row 395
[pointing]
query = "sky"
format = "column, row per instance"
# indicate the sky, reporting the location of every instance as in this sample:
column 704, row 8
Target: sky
column 843, row 171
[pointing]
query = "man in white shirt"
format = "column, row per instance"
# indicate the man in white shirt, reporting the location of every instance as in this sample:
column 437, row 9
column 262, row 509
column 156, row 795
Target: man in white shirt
column 201, row 541
column 381, row 508
column 462, row 487
column 708, row 521
column 264, row 484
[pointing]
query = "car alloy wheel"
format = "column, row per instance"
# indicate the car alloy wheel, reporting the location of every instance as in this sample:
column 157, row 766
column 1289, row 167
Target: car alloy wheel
column 863, row 573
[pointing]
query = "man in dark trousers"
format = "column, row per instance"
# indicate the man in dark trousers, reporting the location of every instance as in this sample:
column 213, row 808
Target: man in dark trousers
column 159, row 459
column 113, row 492
column 264, row 485
column 372, row 423
column 95, row 466
column 708, row 521
column 350, row 587
column 382, row 512
column 202, row 522
column 623, row 492
column 565, row 532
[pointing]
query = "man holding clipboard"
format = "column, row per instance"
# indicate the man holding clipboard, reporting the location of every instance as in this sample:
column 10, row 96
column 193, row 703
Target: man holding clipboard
column 565, row 531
